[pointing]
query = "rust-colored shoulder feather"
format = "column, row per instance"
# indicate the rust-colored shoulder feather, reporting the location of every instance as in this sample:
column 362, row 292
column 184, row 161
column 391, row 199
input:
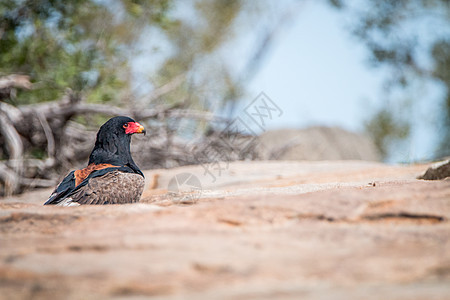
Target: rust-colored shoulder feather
column 82, row 174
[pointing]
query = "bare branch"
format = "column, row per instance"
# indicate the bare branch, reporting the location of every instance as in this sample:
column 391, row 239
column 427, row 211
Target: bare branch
column 10, row 179
column 44, row 125
column 165, row 89
column 48, row 134
column 15, row 148
column 15, row 81
column 194, row 114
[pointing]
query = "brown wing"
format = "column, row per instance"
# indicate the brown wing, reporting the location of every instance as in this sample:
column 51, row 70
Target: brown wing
column 114, row 187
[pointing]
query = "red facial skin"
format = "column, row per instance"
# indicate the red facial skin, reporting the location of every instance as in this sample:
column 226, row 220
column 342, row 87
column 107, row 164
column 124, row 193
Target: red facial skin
column 133, row 127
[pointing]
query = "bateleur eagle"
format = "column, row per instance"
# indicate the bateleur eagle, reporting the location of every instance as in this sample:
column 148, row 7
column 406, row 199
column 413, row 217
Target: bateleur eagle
column 111, row 177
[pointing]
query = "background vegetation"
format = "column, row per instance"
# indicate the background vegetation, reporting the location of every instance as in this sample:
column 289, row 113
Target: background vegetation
column 412, row 39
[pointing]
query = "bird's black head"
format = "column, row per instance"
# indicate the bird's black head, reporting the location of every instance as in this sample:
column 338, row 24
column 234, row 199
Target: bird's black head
column 113, row 142
column 120, row 126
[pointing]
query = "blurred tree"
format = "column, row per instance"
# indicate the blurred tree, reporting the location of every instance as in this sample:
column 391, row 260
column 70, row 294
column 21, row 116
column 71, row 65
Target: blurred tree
column 386, row 129
column 412, row 38
column 196, row 36
column 82, row 45
column 93, row 46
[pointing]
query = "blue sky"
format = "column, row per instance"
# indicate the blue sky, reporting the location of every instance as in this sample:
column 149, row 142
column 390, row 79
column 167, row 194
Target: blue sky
column 317, row 73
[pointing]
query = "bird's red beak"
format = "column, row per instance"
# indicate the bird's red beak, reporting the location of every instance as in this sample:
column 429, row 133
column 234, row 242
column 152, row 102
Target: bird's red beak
column 134, row 127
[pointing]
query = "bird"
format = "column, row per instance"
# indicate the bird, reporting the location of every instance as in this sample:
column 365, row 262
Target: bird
column 111, row 177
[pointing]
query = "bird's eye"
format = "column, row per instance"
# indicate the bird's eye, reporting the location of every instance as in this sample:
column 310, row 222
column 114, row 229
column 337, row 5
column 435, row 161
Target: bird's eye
column 125, row 125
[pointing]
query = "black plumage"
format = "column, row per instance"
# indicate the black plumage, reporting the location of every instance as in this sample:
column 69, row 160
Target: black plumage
column 111, row 177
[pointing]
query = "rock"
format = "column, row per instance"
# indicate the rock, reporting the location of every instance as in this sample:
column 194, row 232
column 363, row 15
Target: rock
column 440, row 170
column 260, row 230
column 316, row 143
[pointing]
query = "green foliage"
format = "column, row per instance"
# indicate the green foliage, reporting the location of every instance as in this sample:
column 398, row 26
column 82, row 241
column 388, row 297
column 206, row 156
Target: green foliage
column 385, row 128
column 441, row 56
column 90, row 47
column 80, row 45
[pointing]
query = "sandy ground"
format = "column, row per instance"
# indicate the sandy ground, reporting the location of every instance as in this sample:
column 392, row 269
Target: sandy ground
column 261, row 230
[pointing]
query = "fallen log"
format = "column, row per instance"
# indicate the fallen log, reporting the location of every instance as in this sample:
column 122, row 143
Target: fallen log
column 48, row 128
